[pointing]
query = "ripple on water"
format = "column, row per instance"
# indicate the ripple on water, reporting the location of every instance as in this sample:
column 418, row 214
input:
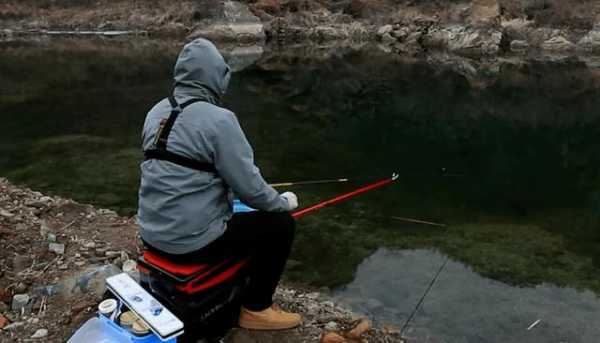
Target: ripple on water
column 465, row 307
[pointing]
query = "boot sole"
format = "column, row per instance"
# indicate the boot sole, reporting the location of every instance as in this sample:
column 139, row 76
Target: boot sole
column 268, row 327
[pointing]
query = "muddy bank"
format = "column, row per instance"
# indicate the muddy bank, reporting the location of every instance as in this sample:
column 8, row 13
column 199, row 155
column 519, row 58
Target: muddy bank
column 481, row 27
column 56, row 252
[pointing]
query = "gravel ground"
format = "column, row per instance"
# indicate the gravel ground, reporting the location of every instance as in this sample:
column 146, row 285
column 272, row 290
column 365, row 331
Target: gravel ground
column 55, row 254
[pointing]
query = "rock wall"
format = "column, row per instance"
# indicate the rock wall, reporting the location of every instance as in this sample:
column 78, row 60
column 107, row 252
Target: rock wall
column 480, row 28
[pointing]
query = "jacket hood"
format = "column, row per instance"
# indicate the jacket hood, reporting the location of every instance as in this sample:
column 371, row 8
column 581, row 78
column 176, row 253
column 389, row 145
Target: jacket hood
column 201, row 71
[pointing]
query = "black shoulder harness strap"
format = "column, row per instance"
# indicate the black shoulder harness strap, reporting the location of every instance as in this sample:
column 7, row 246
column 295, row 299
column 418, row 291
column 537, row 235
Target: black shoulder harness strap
column 162, row 136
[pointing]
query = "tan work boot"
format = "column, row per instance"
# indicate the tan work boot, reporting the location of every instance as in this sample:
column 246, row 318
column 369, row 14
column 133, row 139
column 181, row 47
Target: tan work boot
column 273, row 318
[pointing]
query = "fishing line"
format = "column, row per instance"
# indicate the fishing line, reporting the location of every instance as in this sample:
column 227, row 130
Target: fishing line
column 312, row 182
column 443, row 173
column 424, row 296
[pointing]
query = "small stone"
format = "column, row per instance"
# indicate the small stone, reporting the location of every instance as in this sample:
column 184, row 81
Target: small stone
column 3, row 321
column 112, row 253
column 51, row 238
column 4, row 213
column 13, row 326
column 331, row 326
column 80, row 263
column 57, row 248
column 40, row 333
column 519, row 45
column 21, row 227
column 46, row 199
column 313, row 295
column 129, row 266
column 328, row 304
column 90, row 245
column 35, row 204
column 20, row 301
column 385, row 29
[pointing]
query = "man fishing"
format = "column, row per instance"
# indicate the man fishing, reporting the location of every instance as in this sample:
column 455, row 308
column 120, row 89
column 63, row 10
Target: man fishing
column 196, row 158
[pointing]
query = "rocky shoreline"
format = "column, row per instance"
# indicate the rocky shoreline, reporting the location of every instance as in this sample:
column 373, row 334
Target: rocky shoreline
column 56, row 252
column 471, row 27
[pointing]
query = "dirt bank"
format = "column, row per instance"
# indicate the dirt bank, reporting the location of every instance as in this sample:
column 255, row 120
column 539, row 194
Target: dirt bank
column 55, row 254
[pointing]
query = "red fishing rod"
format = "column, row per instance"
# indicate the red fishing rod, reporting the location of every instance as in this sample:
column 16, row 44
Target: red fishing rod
column 344, row 197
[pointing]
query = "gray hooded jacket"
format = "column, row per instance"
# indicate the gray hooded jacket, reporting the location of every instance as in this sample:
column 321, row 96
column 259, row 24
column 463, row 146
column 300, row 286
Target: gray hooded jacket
column 182, row 209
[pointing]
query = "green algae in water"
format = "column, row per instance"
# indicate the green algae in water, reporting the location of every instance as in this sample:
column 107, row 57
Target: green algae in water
column 89, row 169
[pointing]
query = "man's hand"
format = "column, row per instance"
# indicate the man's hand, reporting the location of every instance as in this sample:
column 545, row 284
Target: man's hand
column 292, row 200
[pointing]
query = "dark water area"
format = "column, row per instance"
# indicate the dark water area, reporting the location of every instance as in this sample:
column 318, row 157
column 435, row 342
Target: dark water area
column 506, row 155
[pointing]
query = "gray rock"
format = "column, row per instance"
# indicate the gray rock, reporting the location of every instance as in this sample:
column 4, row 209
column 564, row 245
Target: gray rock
column 384, row 30
column 231, row 21
column 13, row 326
column 90, row 245
column 462, row 39
column 519, row 45
column 20, row 301
column 57, row 248
column 35, row 204
column 331, row 326
column 591, row 41
column 558, row 43
column 40, row 333
column 111, row 253
column 129, row 266
column 4, row 213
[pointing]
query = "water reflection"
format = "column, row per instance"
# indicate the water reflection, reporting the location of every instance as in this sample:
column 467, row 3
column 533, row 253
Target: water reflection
column 465, row 307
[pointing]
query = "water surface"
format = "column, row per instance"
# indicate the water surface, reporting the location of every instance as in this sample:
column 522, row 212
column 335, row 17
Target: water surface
column 464, row 307
column 507, row 156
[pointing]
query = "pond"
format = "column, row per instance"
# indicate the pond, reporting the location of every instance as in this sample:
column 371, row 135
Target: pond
column 504, row 153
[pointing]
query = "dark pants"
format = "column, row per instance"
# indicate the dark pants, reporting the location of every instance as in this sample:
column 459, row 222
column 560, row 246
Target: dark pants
column 266, row 237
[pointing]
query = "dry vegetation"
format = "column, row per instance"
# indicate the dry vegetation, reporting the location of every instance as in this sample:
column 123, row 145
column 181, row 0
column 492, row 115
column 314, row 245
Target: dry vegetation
column 579, row 14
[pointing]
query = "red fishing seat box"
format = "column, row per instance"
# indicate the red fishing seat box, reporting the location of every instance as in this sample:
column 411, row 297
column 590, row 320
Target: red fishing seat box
column 206, row 297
